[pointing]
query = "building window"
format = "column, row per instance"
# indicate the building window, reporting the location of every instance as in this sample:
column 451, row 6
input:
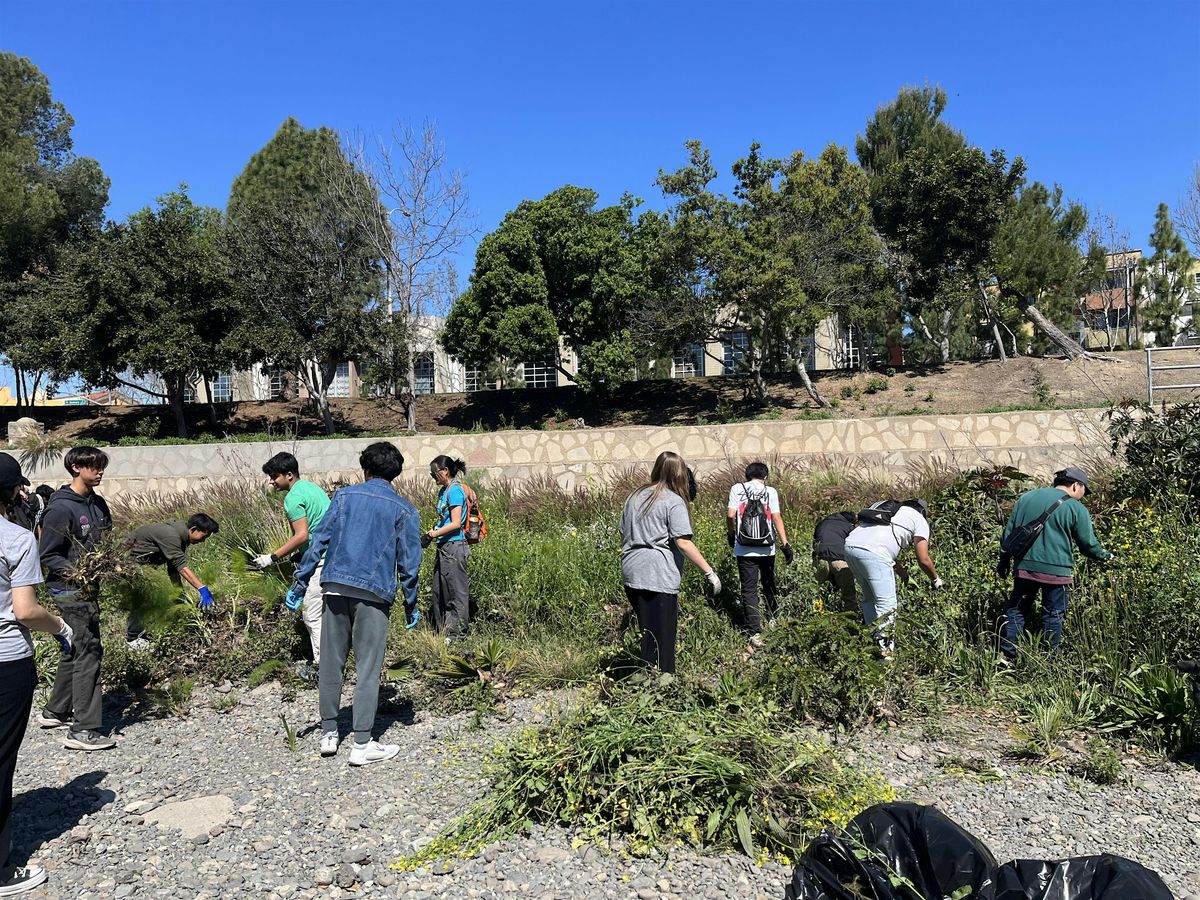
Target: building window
column 477, row 379
column 539, row 375
column 423, row 377
column 189, row 393
column 851, row 349
column 340, row 386
column 736, row 346
column 276, row 381
column 688, row 361
column 808, row 352
column 222, row 388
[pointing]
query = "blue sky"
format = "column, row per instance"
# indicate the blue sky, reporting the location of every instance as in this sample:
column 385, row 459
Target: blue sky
column 1101, row 97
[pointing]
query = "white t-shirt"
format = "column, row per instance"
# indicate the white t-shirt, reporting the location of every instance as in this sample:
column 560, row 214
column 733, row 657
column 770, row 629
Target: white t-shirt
column 19, row 567
column 738, row 494
column 888, row 540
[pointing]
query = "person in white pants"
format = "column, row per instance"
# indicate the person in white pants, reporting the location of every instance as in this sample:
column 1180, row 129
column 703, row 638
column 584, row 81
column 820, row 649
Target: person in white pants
column 305, row 505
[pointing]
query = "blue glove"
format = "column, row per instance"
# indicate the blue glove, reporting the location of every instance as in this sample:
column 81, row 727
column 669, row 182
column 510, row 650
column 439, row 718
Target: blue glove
column 412, row 617
column 206, row 598
column 294, row 599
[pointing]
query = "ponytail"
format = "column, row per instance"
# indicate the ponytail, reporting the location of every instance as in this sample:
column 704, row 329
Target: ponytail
column 455, row 467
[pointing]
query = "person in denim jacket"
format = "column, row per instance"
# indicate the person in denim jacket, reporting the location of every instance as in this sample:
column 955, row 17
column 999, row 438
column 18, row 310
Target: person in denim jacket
column 371, row 540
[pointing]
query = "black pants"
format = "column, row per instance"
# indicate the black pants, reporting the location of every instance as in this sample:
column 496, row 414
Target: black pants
column 17, row 679
column 77, row 684
column 658, row 617
column 752, row 569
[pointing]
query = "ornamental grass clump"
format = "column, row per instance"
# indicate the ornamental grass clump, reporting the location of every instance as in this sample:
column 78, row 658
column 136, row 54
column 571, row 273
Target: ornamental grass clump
column 657, row 765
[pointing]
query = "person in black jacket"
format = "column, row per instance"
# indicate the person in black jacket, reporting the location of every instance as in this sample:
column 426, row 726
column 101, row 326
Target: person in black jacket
column 829, row 555
column 75, row 521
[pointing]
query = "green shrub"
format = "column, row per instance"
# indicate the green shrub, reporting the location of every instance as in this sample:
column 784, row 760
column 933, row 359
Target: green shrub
column 826, row 667
column 1102, row 764
column 876, row 384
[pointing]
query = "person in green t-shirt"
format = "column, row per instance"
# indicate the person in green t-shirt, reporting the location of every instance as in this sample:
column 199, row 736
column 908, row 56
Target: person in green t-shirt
column 305, row 505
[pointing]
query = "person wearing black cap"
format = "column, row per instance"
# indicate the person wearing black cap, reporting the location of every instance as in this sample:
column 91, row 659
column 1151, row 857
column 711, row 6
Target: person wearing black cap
column 1048, row 564
column 20, row 613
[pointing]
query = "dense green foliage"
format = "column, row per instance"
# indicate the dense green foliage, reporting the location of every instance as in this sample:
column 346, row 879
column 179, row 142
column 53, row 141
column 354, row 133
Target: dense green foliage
column 1165, row 279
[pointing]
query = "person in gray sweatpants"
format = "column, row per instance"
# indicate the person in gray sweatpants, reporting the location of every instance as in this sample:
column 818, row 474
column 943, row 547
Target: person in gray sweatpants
column 371, row 541
column 451, row 588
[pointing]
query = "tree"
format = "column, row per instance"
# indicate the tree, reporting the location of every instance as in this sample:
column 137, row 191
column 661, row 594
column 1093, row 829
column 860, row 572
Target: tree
column 937, row 202
column 427, row 220
column 151, row 297
column 557, row 269
column 1112, row 286
column 1165, row 281
column 1188, row 211
column 309, row 273
column 791, row 247
column 1038, row 266
column 48, row 197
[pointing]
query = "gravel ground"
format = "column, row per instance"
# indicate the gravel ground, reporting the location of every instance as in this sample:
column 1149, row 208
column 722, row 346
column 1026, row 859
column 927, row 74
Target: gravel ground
column 216, row 805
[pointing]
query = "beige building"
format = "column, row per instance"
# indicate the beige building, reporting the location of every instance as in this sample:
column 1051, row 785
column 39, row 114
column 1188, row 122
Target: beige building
column 1109, row 316
column 830, row 347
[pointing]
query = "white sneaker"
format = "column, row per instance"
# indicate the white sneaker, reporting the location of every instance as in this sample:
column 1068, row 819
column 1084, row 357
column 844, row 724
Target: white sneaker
column 329, row 743
column 372, row 752
column 20, row 880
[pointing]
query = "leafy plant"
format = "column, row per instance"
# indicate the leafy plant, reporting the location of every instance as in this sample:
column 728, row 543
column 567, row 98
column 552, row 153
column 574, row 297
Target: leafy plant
column 1102, row 764
column 174, row 698
column 876, row 384
column 663, row 766
column 289, row 733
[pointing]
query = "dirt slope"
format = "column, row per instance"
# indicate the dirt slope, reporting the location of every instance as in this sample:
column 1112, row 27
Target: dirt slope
column 955, row 388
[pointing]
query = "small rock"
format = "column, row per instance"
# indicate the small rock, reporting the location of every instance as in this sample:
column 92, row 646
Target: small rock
column 909, row 753
column 337, row 822
column 356, row 855
column 346, row 876
column 224, row 687
column 323, row 876
column 266, row 845
column 442, row 867
column 141, row 807
column 551, row 856
column 385, row 812
column 387, row 879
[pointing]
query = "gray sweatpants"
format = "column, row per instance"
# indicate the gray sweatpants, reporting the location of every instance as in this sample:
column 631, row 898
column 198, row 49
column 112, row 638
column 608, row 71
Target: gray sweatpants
column 451, row 590
column 363, row 624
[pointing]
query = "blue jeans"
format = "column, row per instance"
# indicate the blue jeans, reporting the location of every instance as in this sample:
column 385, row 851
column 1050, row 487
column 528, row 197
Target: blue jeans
column 876, row 576
column 1020, row 609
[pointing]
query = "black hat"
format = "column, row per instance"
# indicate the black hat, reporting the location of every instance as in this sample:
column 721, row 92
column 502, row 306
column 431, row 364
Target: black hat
column 1073, row 473
column 10, row 472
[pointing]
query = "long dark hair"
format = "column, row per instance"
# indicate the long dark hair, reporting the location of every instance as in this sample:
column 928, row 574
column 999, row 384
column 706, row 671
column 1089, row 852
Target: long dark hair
column 670, row 473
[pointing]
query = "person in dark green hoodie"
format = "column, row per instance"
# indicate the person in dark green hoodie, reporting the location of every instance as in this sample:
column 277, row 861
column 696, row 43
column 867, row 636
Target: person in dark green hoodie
column 1048, row 566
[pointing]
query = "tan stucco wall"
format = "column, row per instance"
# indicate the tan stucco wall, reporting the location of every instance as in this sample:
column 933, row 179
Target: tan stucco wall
column 1037, row 442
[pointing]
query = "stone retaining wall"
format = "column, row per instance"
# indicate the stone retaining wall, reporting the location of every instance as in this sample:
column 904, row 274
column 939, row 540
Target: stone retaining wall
column 1036, row 442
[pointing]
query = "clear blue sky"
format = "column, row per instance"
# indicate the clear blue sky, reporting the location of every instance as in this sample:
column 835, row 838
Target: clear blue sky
column 1101, row 97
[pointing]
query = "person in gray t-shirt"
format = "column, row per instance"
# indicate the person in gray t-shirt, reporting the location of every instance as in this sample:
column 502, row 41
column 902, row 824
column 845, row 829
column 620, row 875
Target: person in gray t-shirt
column 656, row 536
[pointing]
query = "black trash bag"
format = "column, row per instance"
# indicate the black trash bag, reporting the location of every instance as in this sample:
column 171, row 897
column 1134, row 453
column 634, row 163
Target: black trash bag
column 904, row 851
column 1104, row 877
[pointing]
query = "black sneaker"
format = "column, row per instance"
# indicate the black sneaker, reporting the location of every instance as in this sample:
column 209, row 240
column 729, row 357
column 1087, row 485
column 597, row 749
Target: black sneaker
column 21, row 879
column 48, row 719
column 88, row 740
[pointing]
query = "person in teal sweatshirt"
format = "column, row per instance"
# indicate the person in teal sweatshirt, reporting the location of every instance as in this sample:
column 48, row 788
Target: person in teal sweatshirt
column 1049, row 565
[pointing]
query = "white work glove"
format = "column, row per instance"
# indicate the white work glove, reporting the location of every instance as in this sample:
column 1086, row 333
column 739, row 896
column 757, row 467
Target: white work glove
column 938, row 584
column 714, row 581
column 264, row 561
column 66, row 640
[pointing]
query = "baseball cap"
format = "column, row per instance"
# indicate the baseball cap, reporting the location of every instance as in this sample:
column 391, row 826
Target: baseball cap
column 10, row 472
column 1073, row 473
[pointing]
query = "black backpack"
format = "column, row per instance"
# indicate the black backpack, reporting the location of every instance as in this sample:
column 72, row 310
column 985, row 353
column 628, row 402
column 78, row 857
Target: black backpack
column 754, row 526
column 880, row 513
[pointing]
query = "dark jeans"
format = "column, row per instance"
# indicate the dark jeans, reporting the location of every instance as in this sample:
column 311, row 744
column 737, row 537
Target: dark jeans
column 752, row 570
column 1020, row 610
column 17, row 679
column 77, row 685
column 658, row 617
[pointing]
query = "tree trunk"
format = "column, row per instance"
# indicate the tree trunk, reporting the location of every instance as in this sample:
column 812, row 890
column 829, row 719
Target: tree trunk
column 999, row 342
column 410, row 399
column 212, row 406
column 327, row 372
column 1068, row 346
column 37, row 383
column 809, row 387
column 175, row 398
column 18, row 386
column 944, row 341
